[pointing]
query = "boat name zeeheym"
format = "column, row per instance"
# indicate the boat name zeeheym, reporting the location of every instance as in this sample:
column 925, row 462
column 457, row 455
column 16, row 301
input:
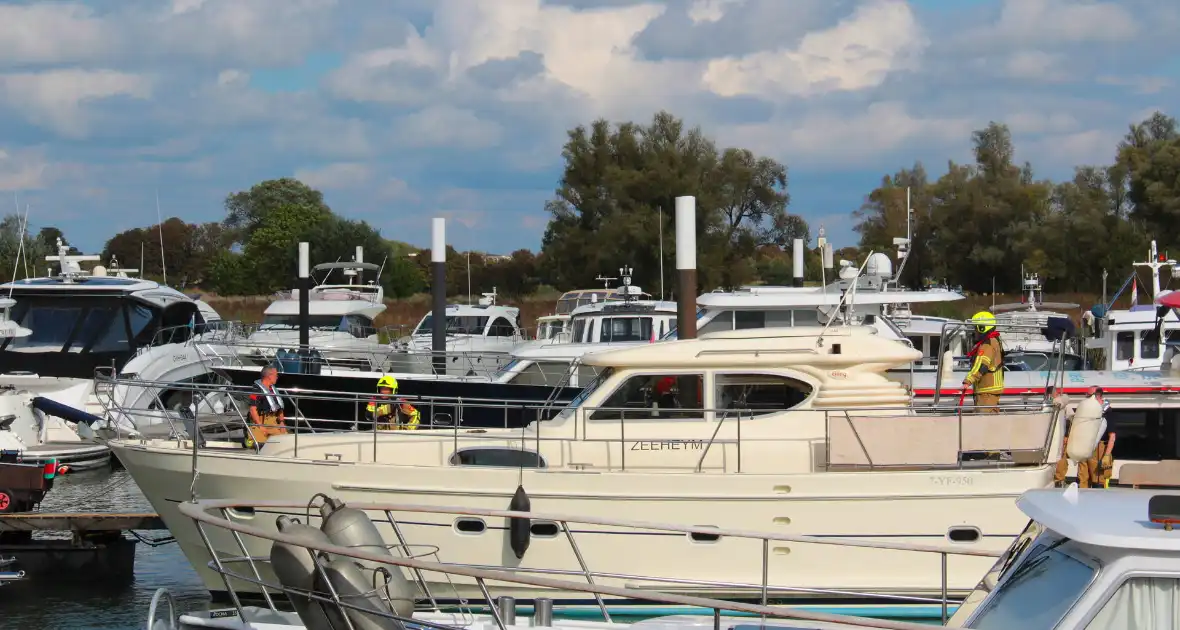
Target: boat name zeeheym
column 669, row 445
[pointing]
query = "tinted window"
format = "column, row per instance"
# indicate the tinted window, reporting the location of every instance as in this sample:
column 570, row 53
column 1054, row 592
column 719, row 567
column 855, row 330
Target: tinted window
column 317, row 322
column 579, row 330
column 501, row 457
column 501, row 328
column 626, row 329
column 542, row 373
column 1148, row 348
column 103, row 329
column 1037, row 593
column 759, row 393
column 749, row 319
column 654, row 396
column 722, row 321
column 1124, row 346
column 51, row 326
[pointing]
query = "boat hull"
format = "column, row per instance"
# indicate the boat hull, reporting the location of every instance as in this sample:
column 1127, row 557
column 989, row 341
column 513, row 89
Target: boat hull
column 893, row 506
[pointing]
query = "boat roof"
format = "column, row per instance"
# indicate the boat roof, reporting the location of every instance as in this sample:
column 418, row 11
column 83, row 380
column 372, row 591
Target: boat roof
column 779, row 297
column 1103, row 517
column 637, row 307
column 139, row 289
column 765, row 348
column 477, row 310
column 542, row 350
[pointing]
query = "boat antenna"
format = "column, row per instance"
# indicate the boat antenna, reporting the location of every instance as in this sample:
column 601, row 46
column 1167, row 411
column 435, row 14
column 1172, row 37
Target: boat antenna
column 381, row 268
column 605, row 280
column 820, row 341
column 20, row 248
column 163, row 266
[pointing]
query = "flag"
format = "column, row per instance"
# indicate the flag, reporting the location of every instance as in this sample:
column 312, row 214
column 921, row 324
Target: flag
column 653, row 333
column 1134, row 291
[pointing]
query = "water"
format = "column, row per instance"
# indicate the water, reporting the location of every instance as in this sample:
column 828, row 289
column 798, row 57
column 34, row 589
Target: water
column 98, row 604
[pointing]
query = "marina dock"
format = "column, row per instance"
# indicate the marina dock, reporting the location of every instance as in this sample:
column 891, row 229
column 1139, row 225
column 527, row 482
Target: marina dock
column 96, row 544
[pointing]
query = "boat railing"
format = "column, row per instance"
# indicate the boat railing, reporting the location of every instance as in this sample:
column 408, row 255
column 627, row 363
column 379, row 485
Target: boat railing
column 954, row 329
column 214, row 519
column 603, row 438
column 241, row 351
column 207, row 332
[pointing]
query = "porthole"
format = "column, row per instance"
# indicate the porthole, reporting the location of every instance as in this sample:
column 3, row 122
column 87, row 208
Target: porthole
column 470, row 525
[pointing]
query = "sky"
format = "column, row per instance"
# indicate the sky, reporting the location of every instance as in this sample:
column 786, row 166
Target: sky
column 403, row 110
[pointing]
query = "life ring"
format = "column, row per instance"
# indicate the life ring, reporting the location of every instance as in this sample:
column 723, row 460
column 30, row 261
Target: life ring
column 7, row 502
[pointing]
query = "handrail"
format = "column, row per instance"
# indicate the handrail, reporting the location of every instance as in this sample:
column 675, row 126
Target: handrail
column 199, row 511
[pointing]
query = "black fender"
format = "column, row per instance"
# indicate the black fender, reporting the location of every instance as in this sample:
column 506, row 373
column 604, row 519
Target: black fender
column 519, row 527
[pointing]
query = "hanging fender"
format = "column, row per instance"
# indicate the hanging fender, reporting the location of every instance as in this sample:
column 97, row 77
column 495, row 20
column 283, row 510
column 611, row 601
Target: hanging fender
column 295, row 569
column 349, row 527
column 519, row 526
column 348, row 580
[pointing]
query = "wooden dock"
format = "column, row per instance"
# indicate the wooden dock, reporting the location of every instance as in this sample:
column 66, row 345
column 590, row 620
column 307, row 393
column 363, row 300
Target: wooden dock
column 79, row 522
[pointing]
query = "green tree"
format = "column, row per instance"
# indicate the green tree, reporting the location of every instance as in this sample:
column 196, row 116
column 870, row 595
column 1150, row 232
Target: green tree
column 618, row 192
column 246, row 210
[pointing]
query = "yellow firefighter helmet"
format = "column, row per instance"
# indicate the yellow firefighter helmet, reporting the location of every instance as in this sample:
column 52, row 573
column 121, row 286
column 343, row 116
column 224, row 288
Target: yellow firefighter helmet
column 984, row 321
column 387, row 381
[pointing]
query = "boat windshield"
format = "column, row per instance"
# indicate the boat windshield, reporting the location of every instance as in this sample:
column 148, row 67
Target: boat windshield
column 456, row 325
column 71, row 325
column 586, row 391
column 291, row 322
column 1038, row 592
column 506, row 370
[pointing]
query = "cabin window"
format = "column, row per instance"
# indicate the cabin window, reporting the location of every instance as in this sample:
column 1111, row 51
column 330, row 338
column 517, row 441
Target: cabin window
column 654, row 396
column 587, row 373
column 140, row 318
column 721, row 322
column 315, row 322
column 51, row 328
column 1141, row 602
column 501, row 328
column 616, row 329
column 542, row 373
column 358, row 326
column 98, row 326
column 497, row 457
column 579, row 330
column 749, row 319
column 456, row 325
column 918, row 343
column 759, row 394
column 805, row 317
column 1124, row 346
column 1149, row 347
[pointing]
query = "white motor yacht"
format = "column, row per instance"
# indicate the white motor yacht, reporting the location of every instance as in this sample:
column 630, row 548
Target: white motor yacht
column 797, row 430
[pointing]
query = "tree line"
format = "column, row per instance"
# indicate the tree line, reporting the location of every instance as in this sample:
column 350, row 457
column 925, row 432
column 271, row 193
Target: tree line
column 974, row 226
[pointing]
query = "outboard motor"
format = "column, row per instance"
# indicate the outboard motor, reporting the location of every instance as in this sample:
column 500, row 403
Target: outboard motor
column 293, row 566
column 352, row 528
column 1088, row 427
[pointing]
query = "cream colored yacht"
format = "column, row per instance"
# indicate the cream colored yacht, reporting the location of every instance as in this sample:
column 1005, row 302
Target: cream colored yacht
column 793, row 430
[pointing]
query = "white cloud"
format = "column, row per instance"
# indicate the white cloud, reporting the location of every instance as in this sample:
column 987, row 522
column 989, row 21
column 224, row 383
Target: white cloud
column 880, row 37
column 22, row 170
column 56, row 98
column 49, row 33
column 335, row 176
column 1034, row 64
column 446, row 126
column 845, row 139
column 1057, row 21
column 709, row 10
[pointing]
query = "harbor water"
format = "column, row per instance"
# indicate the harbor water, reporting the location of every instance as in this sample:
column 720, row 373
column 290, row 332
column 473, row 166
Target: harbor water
column 94, row 602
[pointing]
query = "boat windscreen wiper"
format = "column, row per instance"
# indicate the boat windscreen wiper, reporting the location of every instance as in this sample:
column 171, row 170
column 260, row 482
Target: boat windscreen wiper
column 1038, row 558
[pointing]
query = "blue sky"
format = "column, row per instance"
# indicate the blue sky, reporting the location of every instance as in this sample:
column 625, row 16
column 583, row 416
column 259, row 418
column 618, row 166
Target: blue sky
column 400, row 110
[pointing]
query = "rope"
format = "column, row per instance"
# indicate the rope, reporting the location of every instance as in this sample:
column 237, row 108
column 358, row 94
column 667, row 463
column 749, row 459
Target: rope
column 152, row 542
column 88, row 502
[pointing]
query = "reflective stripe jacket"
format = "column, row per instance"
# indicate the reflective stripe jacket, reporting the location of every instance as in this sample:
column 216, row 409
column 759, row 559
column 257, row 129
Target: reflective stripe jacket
column 987, row 373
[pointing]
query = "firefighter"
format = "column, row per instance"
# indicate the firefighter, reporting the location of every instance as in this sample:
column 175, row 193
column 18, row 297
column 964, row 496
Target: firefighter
column 986, row 378
column 389, row 413
column 267, row 415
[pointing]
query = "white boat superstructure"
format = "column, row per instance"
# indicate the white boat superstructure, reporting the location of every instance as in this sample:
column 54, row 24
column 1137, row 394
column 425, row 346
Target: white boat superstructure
column 796, row 430
column 479, row 339
column 340, row 316
column 80, row 322
column 1136, row 338
column 556, row 326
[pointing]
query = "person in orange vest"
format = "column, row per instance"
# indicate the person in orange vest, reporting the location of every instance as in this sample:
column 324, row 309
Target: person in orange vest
column 267, row 415
column 986, row 378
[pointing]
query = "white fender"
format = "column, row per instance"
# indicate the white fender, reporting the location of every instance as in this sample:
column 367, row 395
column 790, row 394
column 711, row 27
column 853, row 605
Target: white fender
column 1086, row 430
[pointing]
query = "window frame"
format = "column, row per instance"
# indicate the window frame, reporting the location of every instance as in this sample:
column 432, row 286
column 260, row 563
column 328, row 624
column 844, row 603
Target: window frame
column 812, row 386
column 706, row 394
column 451, row 460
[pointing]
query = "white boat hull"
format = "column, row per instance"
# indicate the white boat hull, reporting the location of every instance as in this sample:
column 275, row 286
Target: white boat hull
column 917, row 507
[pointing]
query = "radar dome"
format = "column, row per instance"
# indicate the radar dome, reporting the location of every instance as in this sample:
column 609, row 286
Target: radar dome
column 879, row 266
column 99, row 271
